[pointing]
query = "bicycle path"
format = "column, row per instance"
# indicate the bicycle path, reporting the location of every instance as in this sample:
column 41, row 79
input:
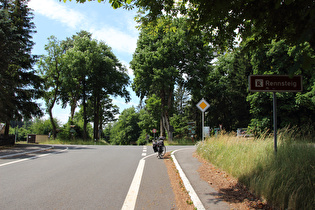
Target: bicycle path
column 203, row 196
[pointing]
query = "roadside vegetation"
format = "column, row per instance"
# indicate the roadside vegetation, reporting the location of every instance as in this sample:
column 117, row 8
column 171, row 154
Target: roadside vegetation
column 285, row 179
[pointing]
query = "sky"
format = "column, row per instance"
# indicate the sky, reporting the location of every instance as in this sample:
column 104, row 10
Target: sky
column 116, row 28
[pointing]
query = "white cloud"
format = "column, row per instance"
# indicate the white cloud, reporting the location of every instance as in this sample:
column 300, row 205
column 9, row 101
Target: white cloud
column 122, row 40
column 57, row 11
column 129, row 70
column 116, row 39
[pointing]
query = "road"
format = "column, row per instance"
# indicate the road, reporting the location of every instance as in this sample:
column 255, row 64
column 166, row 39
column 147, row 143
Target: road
column 86, row 177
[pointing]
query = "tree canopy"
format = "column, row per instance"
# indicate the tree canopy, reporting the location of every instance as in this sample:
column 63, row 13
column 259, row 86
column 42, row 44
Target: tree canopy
column 86, row 70
column 224, row 20
column 166, row 58
column 19, row 83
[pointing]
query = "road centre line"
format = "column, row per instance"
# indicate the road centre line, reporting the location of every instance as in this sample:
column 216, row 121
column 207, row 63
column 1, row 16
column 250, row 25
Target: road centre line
column 144, row 151
column 30, row 158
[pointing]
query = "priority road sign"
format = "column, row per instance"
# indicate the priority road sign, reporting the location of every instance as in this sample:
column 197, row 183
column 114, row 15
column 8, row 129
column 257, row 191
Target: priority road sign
column 203, row 105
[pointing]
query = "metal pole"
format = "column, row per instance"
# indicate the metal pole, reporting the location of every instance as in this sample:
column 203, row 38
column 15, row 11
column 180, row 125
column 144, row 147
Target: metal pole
column 275, row 121
column 203, row 125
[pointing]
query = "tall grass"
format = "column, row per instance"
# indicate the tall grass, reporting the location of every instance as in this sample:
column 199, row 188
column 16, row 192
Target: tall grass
column 286, row 179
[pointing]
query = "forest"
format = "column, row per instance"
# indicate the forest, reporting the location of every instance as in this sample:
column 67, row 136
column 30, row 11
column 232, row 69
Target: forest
column 179, row 60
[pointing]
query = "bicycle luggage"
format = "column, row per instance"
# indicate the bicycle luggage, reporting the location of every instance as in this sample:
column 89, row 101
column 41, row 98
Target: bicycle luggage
column 155, row 146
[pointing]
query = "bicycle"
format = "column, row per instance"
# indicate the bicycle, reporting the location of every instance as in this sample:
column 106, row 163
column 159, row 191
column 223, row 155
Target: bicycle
column 159, row 147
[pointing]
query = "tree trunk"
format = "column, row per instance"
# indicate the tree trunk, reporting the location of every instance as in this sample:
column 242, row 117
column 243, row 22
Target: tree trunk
column 52, row 121
column 100, row 122
column 166, row 105
column 96, row 116
column 7, row 128
column 84, row 112
column 162, row 130
column 72, row 109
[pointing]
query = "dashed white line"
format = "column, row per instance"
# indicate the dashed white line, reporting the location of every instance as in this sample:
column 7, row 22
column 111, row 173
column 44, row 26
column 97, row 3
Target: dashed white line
column 144, row 151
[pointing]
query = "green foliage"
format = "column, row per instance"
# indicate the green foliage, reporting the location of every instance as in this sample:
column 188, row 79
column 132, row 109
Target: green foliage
column 179, row 123
column 293, row 108
column 227, row 91
column 19, row 83
column 73, row 129
column 50, row 68
column 147, row 122
column 37, row 126
column 286, row 180
column 166, row 57
column 42, row 127
column 126, row 130
column 144, row 138
column 255, row 22
column 82, row 69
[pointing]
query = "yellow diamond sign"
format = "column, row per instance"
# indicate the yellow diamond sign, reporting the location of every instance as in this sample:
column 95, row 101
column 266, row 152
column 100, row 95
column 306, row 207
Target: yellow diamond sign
column 203, row 105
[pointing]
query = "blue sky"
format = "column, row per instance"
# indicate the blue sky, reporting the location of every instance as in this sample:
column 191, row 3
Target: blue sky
column 115, row 27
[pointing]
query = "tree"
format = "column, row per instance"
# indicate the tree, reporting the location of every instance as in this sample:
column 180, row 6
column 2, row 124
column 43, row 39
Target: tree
column 126, row 130
column 295, row 109
column 107, row 112
column 19, row 83
column 50, row 67
column 223, row 21
column 71, row 91
column 227, row 89
column 150, row 114
column 94, row 72
column 165, row 58
column 108, row 77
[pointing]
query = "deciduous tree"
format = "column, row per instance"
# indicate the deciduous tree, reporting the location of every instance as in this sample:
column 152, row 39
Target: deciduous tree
column 50, row 68
column 225, row 20
column 165, row 57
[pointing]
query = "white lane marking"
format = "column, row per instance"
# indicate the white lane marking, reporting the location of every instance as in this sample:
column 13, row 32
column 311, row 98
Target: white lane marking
column 193, row 195
column 131, row 198
column 144, row 151
column 30, row 158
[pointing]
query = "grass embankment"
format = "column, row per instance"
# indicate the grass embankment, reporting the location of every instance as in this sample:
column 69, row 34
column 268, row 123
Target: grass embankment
column 286, row 179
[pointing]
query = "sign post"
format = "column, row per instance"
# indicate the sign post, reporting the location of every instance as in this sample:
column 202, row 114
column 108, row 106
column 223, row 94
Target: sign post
column 275, row 83
column 203, row 106
column 154, row 131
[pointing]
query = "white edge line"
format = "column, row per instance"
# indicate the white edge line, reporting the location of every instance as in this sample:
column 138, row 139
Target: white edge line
column 193, row 195
column 25, row 153
column 30, row 158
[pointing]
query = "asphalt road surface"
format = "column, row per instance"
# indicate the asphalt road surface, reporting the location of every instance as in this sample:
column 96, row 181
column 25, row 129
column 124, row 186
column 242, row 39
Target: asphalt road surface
column 86, row 177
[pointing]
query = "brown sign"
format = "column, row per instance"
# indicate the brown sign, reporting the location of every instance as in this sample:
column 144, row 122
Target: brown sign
column 275, row 83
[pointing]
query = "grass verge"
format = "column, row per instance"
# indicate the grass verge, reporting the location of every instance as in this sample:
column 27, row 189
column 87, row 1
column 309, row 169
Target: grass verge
column 286, row 179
